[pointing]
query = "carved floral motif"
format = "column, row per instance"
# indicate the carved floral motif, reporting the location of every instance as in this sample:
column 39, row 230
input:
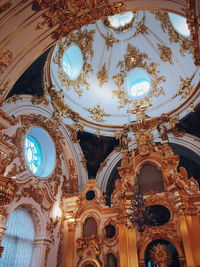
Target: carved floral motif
column 97, row 113
column 5, row 59
column 102, row 75
column 185, row 88
column 165, row 53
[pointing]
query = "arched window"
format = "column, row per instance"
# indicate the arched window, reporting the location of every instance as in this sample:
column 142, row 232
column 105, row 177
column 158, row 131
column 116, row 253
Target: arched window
column 111, row 260
column 18, row 240
column 89, row 227
column 150, row 179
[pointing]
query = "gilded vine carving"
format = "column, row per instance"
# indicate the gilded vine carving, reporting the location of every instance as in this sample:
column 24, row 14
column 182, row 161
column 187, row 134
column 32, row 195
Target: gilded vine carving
column 97, row 113
column 102, row 75
column 165, row 53
column 72, row 15
column 185, row 88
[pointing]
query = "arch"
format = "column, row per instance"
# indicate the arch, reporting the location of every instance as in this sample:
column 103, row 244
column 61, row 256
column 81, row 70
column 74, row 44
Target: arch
column 89, row 260
column 90, row 227
column 19, row 237
column 111, row 260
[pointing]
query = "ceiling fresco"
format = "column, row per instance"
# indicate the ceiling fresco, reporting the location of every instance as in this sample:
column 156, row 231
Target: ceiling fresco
column 146, row 50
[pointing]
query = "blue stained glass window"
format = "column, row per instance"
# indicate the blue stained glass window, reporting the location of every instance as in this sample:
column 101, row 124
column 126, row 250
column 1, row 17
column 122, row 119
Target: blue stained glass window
column 18, row 240
column 120, row 20
column 33, row 154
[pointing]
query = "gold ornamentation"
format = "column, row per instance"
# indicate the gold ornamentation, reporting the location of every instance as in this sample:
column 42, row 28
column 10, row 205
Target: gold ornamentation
column 165, row 53
column 42, row 99
column 185, row 88
column 60, row 106
column 134, row 58
column 94, row 242
column 141, row 28
column 7, row 190
column 109, row 40
column 74, row 129
column 71, row 15
column 166, row 124
column 84, row 40
column 174, row 37
column 97, row 113
column 159, row 254
column 5, row 6
column 193, row 20
column 102, row 75
column 5, row 59
column 13, row 99
column 4, row 87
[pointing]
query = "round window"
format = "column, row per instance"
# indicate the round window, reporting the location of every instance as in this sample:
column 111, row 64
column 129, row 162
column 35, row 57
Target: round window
column 72, row 61
column 120, row 20
column 138, row 83
column 90, row 195
column 180, row 24
column 110, row 231
column 39, row 151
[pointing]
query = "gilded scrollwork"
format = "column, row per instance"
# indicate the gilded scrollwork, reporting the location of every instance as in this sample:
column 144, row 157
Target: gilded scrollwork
column 174, row 37
column 109, row 40
column 72, row 15
column 186, row 87
column 5, row 59
column 102, row 75
column 134, row 58
column 165, row 53
column 97, row 113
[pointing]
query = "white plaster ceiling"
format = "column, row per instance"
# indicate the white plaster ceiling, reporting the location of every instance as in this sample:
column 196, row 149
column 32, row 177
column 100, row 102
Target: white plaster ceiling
column 146, row 41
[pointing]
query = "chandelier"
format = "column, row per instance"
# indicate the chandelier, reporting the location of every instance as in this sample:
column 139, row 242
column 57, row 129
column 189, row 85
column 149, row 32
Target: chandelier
column 139, row 214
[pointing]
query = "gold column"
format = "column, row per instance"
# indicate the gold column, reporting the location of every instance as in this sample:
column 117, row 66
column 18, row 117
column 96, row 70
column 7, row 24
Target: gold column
column 69, row 245
column 127, row 246
column 190, row 231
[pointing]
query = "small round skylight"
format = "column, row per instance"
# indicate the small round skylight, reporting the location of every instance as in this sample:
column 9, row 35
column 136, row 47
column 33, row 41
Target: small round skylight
column 72, row 61
column 180, row 24
column 138, row 83
column 120, row 20
column 39, row 151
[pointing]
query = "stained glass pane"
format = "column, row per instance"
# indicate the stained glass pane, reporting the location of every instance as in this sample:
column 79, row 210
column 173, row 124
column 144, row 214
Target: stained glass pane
column 18, row 240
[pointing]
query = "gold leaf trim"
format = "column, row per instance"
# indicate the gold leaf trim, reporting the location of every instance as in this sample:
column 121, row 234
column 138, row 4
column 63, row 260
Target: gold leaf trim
column 102, row 75
column 186, row 88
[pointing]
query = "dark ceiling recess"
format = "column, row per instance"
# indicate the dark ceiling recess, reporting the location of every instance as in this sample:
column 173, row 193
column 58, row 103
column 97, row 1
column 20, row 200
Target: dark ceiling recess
column 30, row 82
column 191, row 123
column 95, row 149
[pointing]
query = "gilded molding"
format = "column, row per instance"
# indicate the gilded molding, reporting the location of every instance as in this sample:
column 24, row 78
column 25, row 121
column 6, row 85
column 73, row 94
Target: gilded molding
column 97, row 113
column 165, row 53
column 71, row 15
column 5, row 59
column 132, row 59
column 102, row 75
column 174, row 37
column 186, row 87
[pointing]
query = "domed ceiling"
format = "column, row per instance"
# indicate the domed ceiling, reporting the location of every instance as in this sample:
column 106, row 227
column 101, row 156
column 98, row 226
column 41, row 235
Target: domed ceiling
column 110, row 69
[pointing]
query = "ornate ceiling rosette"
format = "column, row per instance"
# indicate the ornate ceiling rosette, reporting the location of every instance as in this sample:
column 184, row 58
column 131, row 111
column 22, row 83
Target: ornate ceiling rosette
column 146, row 68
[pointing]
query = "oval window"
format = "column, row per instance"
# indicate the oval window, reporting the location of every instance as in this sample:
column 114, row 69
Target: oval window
column 72, row 62
column 180, row 24
column 120, row 20
column 39, row 152
column 138, row 83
